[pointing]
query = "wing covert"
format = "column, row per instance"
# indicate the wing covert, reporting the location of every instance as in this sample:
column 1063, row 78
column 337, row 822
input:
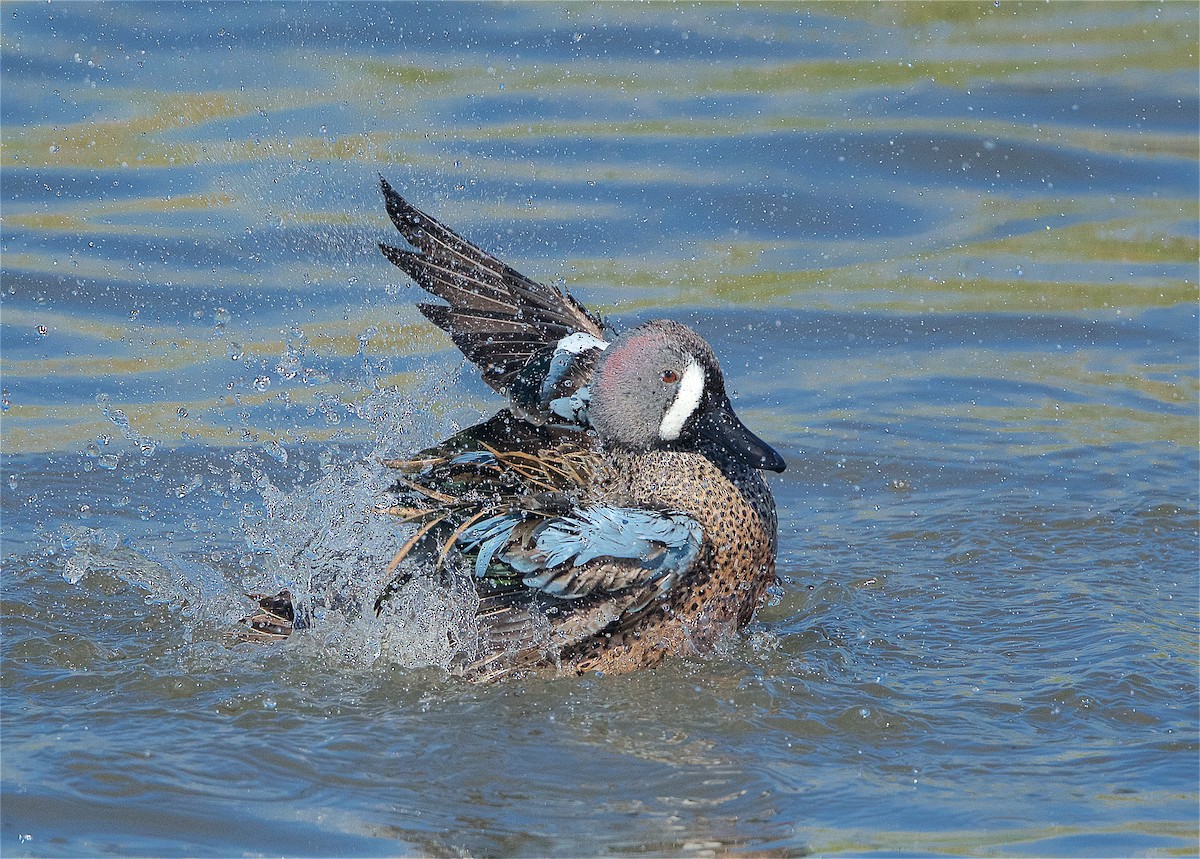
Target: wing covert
column 592, row 549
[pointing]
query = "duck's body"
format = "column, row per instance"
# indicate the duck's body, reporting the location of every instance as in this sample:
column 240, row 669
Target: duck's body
column 726, row 582
column 614, row 514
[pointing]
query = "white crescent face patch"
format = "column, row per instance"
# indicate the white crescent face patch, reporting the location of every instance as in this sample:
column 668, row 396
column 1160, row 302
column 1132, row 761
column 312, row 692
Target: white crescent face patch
column 687, row 399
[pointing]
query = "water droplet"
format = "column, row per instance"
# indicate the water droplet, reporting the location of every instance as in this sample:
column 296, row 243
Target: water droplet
column 234, row 352
column 262, row 383
column 289, row 365
column 182, row 412
column 277, row 452
column 187, row 489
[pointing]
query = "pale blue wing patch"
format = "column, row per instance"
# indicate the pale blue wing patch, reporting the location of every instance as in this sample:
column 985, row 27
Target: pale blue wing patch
column 574, row 408
column 564, row 393
column 552, row 387
column 608, row 548
column 475, row 457
column 593, row 549
column 488, row 536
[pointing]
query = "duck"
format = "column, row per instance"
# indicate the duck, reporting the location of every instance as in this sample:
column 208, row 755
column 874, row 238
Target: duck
column 612, row 514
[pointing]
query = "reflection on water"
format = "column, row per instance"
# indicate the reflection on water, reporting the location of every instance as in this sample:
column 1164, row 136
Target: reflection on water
column 947, row 254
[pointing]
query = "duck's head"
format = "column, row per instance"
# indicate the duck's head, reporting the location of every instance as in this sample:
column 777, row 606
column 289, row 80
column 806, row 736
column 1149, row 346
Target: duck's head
column 659, row 386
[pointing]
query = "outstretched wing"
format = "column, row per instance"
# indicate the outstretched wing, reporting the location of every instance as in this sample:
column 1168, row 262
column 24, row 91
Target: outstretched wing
column 500, row 319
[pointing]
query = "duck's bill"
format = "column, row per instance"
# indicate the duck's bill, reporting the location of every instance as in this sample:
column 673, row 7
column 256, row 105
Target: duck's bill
column 721, row 428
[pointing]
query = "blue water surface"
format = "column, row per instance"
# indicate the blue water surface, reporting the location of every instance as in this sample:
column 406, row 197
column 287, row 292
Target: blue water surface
column 947, row 255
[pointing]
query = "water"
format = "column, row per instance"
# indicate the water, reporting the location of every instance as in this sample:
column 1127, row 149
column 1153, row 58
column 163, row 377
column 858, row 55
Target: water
column 946, row 253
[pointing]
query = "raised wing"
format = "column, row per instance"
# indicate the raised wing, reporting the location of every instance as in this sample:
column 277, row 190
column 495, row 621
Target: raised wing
column 500, row 319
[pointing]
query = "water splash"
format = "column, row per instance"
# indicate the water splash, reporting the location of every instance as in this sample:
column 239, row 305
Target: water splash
column 147, row 444
column 305, row 518
column 329, row 544
column 205, row 596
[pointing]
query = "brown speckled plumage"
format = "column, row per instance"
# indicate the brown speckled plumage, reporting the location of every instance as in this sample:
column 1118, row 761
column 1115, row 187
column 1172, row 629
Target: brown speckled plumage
column 737, row 514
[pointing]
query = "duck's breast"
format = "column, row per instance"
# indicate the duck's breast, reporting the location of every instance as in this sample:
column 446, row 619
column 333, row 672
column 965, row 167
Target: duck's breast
column 736, row 512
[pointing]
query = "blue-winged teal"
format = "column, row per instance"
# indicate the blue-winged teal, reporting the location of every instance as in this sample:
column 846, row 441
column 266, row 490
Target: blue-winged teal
column 613, row 514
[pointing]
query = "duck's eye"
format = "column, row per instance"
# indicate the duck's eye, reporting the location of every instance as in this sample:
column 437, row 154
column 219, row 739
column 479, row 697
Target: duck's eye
column 670, row 377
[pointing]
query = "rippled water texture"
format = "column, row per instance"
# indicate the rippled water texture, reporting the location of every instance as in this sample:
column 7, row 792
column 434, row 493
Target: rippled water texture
column 946, row 253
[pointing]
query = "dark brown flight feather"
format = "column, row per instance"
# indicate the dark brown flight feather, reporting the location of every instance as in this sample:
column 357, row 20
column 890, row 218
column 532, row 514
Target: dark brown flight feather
column 498, row 317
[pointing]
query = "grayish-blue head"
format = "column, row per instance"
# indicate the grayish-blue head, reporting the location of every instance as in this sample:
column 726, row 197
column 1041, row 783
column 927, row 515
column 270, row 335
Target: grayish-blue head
column 659, row 386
